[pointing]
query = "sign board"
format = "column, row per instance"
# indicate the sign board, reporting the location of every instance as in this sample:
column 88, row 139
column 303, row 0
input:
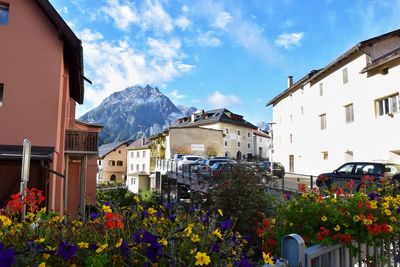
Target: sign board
column 26, row 161
column 197, row 147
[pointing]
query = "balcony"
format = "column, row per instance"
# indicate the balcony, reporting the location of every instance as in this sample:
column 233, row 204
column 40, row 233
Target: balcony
column 80, row 142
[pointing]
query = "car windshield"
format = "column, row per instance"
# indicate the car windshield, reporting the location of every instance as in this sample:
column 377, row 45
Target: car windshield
column 192, row 158
column 392, row 169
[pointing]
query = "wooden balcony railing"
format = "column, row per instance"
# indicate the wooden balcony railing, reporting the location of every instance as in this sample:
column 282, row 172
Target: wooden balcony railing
column 81, row 142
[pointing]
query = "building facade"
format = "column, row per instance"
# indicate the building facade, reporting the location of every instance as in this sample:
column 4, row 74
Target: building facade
column 347, row 111
column 261, row 145
column 41, row 80
column 112, row 162
column 138, row 165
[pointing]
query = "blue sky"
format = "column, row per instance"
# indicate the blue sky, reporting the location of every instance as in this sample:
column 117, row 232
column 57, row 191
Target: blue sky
column 212, row 54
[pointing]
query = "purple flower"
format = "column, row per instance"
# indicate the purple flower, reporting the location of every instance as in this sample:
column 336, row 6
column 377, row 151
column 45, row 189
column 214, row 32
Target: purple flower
column 244, row 262
column 145, row 214
column 67, row 250
column 372, row 196
column 398, row 210
column 154, row 251
column 159, row 214
column 225, row 225
column 205, row 218
column 7, row 258
column 107, row 204
column 93, row 215
column 171, row 217
column 169, row 206
column 93, row 246
column 137, row 236
column 215, row 248
column 124, row 248
column 192, row 209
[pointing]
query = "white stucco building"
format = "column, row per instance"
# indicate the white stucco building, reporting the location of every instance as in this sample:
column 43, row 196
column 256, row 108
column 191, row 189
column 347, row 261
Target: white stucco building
column 347, row 111
column 261, row 145
column 138, row 166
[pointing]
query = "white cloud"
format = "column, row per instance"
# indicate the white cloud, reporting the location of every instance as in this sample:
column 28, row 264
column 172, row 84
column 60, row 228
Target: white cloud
column 122, row 14
column 207, row 39
column 183, row 23
column 155, row 17
column 64, row 10
column 222, row 20
column 287, row 40
column 175, row 95
column 218, row 100
column 122, row 65
column 185, row 9
column 287, row 23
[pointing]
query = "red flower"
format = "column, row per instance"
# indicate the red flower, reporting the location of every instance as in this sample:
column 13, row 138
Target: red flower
column 114, row 220
column 272, row 242
column 301, row 187
column 265, row 224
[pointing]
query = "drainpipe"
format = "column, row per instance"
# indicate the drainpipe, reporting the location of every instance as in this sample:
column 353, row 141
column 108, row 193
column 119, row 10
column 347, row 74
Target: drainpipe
column 66, row 184
column 83, row 187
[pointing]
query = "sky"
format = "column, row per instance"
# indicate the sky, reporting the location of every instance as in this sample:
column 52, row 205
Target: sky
column 234, row 54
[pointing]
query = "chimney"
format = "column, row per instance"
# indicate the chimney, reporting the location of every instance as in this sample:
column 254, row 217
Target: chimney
column 193, row 117
column 289, row 81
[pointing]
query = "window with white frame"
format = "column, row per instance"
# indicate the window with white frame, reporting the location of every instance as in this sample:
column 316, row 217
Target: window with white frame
column 225, row 143
column 131, row 167
column 291, row 117
column 302, row 110
column 322, row 118
column 137, row 167
column 4, row 12
column 238, row 144
column 248, row 134
column 226, row 131
column 143, row 167
column 325, row 155
column 349, row 113
column 290, row 138
column 248, row 145
column 137, row 154
column 238, row 132
column 132, row 154
column 387, row 105
column 144, row 154
column 345, row 75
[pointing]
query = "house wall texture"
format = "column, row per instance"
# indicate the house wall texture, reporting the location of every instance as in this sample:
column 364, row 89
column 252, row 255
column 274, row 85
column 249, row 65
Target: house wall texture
column 119, row 154
column 369, row 137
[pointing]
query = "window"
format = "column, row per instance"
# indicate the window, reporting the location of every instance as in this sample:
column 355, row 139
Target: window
column 226, row 130
column 248, row 145
column 238, row 132
column 238, row 144
column 302, row 110
column 325, row 155
column 119, row 151
column 4, row 10
column 226, row 154
column 291, row 138
column 143, row 167
column 248, row 134
column 226, row 143
column 323, row 121
column 321, row 89
column 111, row 163
column 131, row 181
column 131, row 167
column 387, row 105
column 1, row 94
column 144, row 154
column 120, row 163
column 349, row 113
column 132, row 154
column 345, row 76
column 302, row 90
column 137, row 154
column 137, row 167
column 291, row 117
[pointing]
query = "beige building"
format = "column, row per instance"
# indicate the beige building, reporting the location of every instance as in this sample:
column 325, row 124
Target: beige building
column 112, row 162
column 236, row 140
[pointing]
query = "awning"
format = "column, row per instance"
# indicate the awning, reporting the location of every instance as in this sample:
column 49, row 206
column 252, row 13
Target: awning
column 10, row 152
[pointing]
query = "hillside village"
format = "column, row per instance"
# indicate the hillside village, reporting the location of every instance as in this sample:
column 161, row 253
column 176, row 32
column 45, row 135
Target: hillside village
column 68, row 199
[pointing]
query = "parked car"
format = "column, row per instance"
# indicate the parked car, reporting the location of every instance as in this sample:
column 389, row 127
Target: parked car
column 188, row 159
column 359, row 172
column 278, row 169
column 178, row 157
column 220, row 167
column 205, row 167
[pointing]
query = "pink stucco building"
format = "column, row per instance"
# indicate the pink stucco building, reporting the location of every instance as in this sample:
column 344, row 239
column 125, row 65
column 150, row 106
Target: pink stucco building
column 41, row 80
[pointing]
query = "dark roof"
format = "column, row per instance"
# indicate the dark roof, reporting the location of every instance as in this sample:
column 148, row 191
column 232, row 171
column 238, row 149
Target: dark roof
column 73, row 51
column 355, row 50
column 212, row 116
column 107, row 148
column 140, row 143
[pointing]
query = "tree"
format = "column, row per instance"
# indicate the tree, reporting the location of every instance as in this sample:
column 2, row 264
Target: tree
column 211, row 152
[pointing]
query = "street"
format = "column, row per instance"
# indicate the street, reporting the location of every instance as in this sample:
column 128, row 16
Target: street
column 291, row 181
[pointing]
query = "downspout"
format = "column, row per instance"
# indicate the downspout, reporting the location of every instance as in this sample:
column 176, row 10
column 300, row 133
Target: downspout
column 83, row 186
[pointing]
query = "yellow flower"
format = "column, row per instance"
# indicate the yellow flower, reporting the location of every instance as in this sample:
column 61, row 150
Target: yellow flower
column 337, row 228
column 393, row 219
column 73, row 265
column 40, row 240
column 119, row 243
column 101, row 248
column 151, row 211
column 229, row 265
column 83, row 245
column 202, row 259
column 234, row 252
column 385, row 205
column 188, row 229
column 217, row 232
column 5, row 220
column 367, row 222
column 374, row 204
column 136, row 198
column 43, row 210
column 46, row 256
column 273, row 221
column 195, row 238
column 324, row 218
column 164, row 242
column 220, row 212
column 192, row 251
column 356, row 218
column 30, row 216
column 387, row 212
column 268, row 259
column 42, row 264
column 390, row 228
column 106, row 209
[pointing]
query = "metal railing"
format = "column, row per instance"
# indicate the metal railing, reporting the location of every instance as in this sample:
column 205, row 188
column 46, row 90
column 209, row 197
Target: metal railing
column 81, row 142
column 296, row 253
